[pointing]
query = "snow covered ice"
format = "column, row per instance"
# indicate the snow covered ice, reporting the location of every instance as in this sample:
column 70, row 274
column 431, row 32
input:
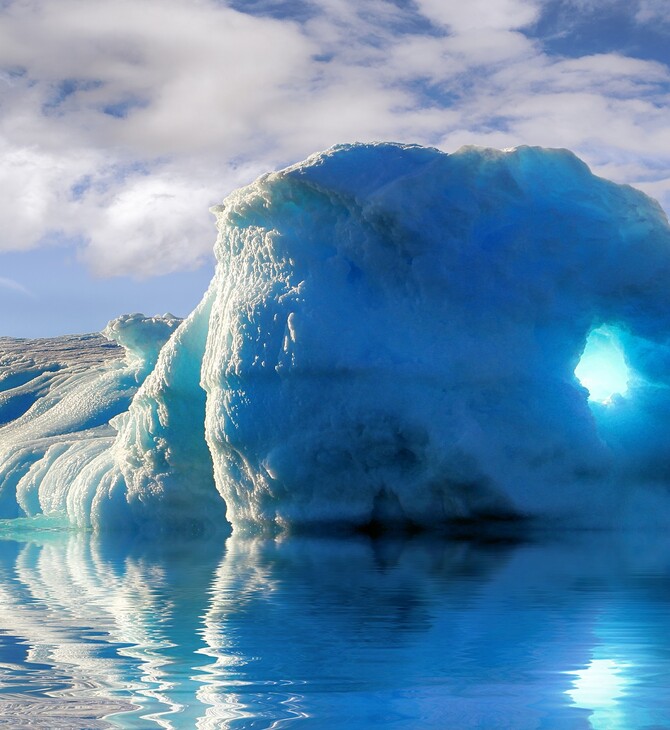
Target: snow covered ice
column 391, row 335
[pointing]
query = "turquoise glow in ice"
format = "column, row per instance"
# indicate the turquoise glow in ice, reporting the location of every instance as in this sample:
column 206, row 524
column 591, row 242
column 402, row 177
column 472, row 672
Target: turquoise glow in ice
column 602, row 369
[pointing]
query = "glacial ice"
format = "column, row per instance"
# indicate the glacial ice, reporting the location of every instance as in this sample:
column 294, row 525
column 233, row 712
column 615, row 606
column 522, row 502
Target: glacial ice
column 391, row 336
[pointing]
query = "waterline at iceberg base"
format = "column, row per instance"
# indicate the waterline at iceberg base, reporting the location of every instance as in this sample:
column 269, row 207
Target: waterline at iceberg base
column 390, row 338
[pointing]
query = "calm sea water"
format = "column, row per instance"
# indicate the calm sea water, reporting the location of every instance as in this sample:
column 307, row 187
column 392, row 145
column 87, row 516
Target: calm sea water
column 334, row 633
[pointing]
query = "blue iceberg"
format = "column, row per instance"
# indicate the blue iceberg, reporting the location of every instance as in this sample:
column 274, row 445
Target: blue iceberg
column 390, row 337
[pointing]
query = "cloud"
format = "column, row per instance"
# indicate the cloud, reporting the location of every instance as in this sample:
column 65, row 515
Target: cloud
column 121, row 122
column 181, row 74
column 476, row 15
column 163, row 208
column 15, row 286
column 653, row 11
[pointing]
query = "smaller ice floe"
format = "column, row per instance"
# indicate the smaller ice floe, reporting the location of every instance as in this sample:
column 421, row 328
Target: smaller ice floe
column 57, row 398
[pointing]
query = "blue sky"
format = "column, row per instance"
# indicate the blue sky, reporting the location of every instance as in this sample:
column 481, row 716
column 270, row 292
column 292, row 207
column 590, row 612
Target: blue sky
column 122, row 121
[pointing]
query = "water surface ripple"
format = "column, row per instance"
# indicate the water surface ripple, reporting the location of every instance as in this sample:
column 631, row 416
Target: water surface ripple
column 334, row 633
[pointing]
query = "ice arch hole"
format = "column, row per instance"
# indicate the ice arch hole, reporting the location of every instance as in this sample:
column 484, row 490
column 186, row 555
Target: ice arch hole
column 602, row 369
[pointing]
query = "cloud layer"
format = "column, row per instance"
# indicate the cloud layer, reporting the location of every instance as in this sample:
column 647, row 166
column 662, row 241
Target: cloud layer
column 121, row 122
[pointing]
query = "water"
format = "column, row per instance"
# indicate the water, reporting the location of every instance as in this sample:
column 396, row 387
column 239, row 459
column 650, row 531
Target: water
column 334, row 633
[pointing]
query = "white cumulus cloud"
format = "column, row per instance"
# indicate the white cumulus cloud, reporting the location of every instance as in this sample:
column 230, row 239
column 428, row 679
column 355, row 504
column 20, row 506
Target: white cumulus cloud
column 121, row 122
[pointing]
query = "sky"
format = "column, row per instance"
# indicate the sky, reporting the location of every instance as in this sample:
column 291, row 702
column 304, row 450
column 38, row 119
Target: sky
column 123, row 121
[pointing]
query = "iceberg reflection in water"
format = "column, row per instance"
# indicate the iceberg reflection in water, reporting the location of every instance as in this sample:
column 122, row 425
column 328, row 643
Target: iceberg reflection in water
column 333, row 633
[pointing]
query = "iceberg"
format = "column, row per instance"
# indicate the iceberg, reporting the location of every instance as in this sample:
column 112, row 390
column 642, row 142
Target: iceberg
column 390, row 338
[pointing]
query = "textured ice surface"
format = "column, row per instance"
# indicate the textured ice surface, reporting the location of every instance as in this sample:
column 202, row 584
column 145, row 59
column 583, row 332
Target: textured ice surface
column 391, row 335
column 60, row 396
